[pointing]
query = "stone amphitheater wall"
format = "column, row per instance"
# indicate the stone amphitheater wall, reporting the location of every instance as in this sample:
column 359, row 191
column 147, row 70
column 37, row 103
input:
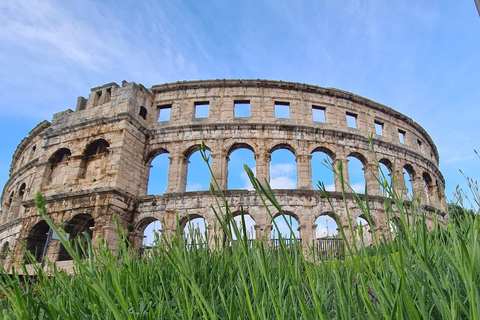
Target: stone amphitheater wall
column 94, row 162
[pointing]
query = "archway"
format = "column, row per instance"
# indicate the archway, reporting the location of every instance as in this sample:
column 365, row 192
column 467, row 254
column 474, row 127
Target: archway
column 364, row 228
column 195, row 229
column 356, row 174
column 198, row 175
column 327, row 227
column 78, row 228
column 158, row 174
column 385, row 175
column 237, row 177
column 322, row 170
column 283, row 169
column 286, row 226
column 36, row 240
column 409, row 174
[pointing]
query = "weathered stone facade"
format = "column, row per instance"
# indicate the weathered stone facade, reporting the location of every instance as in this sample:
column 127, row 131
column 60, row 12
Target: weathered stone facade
column 94, row 162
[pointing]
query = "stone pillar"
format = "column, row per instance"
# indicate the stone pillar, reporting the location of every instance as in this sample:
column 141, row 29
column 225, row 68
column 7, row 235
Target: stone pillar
column 346, row 177
column 262, row 163
column 371, row 179
column 400, row 184
column 417, row 185
column 220, row 169
column 177, row 173
column 304, row 171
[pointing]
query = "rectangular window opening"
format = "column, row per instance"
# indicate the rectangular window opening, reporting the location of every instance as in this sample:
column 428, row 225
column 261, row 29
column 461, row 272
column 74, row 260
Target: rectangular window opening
column 202, row 109
column 241, row 108
column 164, row 112
column 351, row 120
column 401, row 136
column 419, row 142
column 318, row 114
column 379, row 128
column 282, row 110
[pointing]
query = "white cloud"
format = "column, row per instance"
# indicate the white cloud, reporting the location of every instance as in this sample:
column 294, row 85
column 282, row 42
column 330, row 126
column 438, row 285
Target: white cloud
column 282, row 169
column 330, row 187
column 358, row 187
column 194, row 187
column 283, row 183
column 244, row 177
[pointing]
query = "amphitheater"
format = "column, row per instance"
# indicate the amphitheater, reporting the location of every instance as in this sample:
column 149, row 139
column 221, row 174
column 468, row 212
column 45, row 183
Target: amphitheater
column 94, row 162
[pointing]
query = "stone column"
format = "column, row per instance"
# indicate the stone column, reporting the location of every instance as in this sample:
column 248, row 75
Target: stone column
column 304, row 171
column 346, row 177
column 220, row 168
column 177, row 173
column 400, row 184
column 262, row 163
column 371, row 179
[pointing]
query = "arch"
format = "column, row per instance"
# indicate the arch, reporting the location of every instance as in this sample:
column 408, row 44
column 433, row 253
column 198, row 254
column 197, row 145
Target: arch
column 356, row 172
column 428, row 186
column 61, row 155
column 236, row 176
column 153, row 154
column 58, row 169
column 99, row 146
column 159, row 166
column 192, row 149
column 279, row 146
column 198, row 176
column 362, row 223
column 249, row 224
column 385, row 170
column 96, row 150
column 322, row 168
column 194, row 228
column 10, row 198
column 325, row 150
column 408, row 175
column 283, row 169
column 150, row 228
column 283, row 221
column 359, row 157
column 21, row 191
column 76, row 227
column 327, row 226
column 36, row 240
column 239, row 145
column 142, row 112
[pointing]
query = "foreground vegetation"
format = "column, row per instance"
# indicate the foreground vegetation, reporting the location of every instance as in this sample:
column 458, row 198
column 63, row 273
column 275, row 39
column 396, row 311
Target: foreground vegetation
column 421, row 275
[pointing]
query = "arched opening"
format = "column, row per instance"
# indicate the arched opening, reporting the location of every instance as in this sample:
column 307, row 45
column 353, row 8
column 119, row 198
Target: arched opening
column 143, row 113
column 78, row 228
column 428, row 187
column 328, row 243
column 286, row 226
column 249, row 225
column 409, row 174
column 198, row 175
column 356, row 174
column 395, row 226
column 21, row 191
column 10, row 199
column 36, row 240
column 327, row 227
column 94, row 159
column 385, row 175
column 322, row 170
column 195, row 231
column 283, row 169
column 158, row 174
column 364, row 228
column 58, row 166
column 237, row 177
column 151, row 229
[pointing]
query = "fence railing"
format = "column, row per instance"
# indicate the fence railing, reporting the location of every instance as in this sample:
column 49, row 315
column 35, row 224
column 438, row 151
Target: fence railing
column 329, row 248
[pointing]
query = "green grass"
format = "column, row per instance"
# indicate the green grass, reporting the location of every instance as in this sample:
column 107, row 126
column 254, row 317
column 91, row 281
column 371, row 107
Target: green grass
column 422, row 275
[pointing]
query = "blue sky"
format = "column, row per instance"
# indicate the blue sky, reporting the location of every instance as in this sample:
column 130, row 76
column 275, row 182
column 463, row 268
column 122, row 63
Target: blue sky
column 421, row 58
